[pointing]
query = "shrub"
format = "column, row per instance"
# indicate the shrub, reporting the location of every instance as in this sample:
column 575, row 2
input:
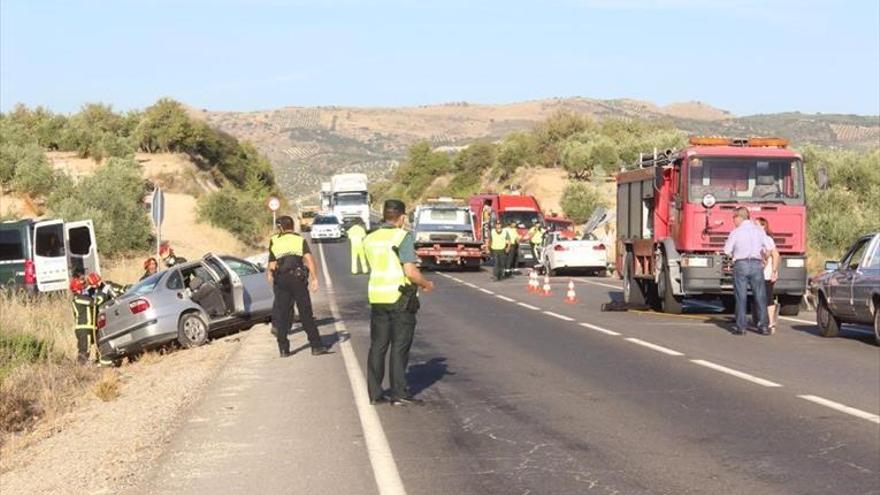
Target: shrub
column 241, row 212
column 112, row 198
column 32, row 172
column 579, row 200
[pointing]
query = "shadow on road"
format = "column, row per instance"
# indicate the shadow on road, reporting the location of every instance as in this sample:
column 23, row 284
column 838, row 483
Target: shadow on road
column 423, row 375
column 859, row 334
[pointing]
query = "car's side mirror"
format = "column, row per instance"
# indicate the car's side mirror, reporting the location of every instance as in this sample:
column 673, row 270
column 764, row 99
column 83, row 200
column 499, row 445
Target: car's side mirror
column 831, row 266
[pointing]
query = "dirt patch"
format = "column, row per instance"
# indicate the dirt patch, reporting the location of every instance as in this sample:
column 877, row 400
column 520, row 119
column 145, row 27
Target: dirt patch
column 191, row 239
column 105, row 447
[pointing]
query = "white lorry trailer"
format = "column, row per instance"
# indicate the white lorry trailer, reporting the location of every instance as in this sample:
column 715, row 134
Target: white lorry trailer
column 349, row 198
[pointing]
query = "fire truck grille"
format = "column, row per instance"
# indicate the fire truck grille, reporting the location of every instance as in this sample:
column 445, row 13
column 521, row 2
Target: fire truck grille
column 783, row 240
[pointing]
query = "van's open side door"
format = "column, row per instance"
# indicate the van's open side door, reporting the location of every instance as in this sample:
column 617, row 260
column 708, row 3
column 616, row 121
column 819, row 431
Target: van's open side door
column 234, row 280
column 82, row 250
column 50, row 256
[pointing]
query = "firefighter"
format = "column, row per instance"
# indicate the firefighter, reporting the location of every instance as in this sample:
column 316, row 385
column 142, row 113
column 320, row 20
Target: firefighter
column 100, row 292
column 83, row 319
column 499, row 246
column 292, row 275
column 356, row 235
column 394, row 302
column 512, row 255
column 536, row 239
column 168, row 257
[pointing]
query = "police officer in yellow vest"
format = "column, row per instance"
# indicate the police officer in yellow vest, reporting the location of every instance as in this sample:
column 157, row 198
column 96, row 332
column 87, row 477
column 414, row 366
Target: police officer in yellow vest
column 499, row 246
column 394, row 302
column 513, row 254
column 356, row 235
column 292, row 275
column 536, row 239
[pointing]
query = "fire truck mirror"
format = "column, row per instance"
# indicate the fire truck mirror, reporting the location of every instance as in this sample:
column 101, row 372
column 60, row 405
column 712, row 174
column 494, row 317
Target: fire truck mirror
column 658, row 177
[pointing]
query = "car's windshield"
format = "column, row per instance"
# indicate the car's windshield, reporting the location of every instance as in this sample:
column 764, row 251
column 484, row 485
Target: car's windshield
column 746, row 180
column 326, row 221
column 522, row 218
column 453, row 219
column 145, row 286
column 350, row 199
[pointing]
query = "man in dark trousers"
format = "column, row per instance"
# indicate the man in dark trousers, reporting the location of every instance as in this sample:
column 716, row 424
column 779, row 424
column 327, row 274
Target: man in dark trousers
column 394, row 302
column 498, row 244
column 292, row 275
column 747, row 246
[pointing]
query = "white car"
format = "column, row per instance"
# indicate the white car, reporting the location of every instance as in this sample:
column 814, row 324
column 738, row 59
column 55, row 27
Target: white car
column 561, row 252
column 327, row 227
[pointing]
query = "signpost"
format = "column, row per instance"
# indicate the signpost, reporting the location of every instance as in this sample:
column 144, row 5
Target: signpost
column 157, row 211
column 273, row 204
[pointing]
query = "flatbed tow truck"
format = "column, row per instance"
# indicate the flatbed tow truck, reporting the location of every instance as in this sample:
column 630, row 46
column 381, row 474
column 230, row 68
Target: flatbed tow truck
column 444, row 235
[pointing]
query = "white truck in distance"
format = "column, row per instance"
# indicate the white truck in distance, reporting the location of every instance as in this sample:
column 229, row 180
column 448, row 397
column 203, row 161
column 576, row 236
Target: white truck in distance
column 349, row 198
column 325, row 197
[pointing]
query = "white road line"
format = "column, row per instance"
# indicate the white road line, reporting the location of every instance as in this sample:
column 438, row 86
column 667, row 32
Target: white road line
column 457, row 279
column 658, row 348
column 599, row 329
column 738, row 374
column 528, row 306
column 505, row 298
column 486, row 291
column 797, row 320
column 557, row 315
column 842, row 408
column 598, row 283
column 472, row 286
column 382, row 460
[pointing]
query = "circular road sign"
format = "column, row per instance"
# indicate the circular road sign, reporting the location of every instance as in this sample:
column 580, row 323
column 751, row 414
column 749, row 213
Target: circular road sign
column 274, row 203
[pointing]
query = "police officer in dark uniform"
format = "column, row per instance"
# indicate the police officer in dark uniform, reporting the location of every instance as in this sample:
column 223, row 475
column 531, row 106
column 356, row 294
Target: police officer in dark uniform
column 394, row 302
column 292, row 275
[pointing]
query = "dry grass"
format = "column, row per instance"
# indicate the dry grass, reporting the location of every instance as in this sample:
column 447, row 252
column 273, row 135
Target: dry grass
column 107, row 387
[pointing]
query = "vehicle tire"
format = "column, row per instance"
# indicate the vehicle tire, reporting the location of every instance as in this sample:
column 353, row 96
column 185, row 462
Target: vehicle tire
column 829, row 325
column 602, row 273
column 552, row 272
column 729, row 303
column 633, row 293
column 877, row 323
column 192, row 330
column 789, row 305
column 669, row 303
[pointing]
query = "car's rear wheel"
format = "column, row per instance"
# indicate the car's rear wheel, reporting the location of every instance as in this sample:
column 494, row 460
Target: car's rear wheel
column 829, row 325
column 877, row 323
column 192, row 330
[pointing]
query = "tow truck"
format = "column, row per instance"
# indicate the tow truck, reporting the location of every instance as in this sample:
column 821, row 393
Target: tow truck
column 444, row 235
column 675, row 212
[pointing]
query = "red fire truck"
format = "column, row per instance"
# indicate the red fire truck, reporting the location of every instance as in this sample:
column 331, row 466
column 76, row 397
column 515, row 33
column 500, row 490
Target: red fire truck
column 675, row 212
column 489, row 208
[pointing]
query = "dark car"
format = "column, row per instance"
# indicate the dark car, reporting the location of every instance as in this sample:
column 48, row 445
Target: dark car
column 849, row 291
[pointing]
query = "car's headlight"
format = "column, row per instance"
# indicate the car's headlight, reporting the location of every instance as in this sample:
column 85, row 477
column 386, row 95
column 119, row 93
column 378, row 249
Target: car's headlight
column 794, row 262
column 696, row 262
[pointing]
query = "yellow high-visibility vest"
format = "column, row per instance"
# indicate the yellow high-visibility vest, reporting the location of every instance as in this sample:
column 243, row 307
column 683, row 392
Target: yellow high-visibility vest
column 537, row 235
column 386, row 275
column 498, row 240
column 287, row 244
column 356, row 234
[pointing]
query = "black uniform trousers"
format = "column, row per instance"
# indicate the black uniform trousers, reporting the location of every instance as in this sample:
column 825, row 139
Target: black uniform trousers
column 290, row 290
column 84, row 338
column 390, row 326
column 500, row 268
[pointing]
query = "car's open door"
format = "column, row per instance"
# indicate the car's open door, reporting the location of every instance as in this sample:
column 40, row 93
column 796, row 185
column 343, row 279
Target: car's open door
column 235, row 282
column 82, row 250
column 50, row 256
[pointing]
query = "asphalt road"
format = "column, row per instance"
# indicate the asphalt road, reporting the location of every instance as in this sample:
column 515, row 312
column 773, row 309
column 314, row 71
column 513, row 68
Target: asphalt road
column 527, row 394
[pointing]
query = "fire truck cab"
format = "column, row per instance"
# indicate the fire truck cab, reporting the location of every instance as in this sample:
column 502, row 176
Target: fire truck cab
column 675, row 212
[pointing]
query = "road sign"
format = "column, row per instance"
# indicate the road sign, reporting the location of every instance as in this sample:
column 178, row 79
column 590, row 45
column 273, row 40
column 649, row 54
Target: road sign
column 274, row 203
column 157, row 207
column 157, row 212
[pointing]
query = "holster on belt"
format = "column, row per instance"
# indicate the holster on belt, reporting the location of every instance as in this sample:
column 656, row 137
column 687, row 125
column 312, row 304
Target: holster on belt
column 291, row 268
column 409, row 298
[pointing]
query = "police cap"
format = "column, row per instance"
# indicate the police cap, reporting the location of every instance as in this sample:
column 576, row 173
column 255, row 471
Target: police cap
column 284, row 222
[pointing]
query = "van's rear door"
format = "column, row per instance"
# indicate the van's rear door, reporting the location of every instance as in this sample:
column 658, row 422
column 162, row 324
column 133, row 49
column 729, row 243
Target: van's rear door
column 234, row 280
column 50, row 256
column 82, row 249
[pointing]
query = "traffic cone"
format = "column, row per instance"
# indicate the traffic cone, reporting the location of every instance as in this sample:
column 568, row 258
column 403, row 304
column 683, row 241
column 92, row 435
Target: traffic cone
column 546, row 285
column 533, row 281
column 570, row 296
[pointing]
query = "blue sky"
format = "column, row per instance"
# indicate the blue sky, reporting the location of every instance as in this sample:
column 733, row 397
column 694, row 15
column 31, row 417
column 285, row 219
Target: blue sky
column 746, row 56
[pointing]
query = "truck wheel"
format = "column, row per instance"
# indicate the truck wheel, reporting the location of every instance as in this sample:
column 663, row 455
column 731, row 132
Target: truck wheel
column 632, row 291
column 789, row 305
column 829, row 325
column 669, row 302
column 192, row 330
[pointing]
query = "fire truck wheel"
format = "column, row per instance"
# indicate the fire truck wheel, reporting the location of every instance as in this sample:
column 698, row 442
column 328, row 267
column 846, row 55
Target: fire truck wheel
column 829, row 326
column 670, row 303
column 632, row 290
column 789, row 305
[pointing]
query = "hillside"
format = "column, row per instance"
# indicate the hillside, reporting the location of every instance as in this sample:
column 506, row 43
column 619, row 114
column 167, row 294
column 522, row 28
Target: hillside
column 308, row 144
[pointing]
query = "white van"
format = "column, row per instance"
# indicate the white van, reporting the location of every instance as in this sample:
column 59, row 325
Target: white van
column 41, row 255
